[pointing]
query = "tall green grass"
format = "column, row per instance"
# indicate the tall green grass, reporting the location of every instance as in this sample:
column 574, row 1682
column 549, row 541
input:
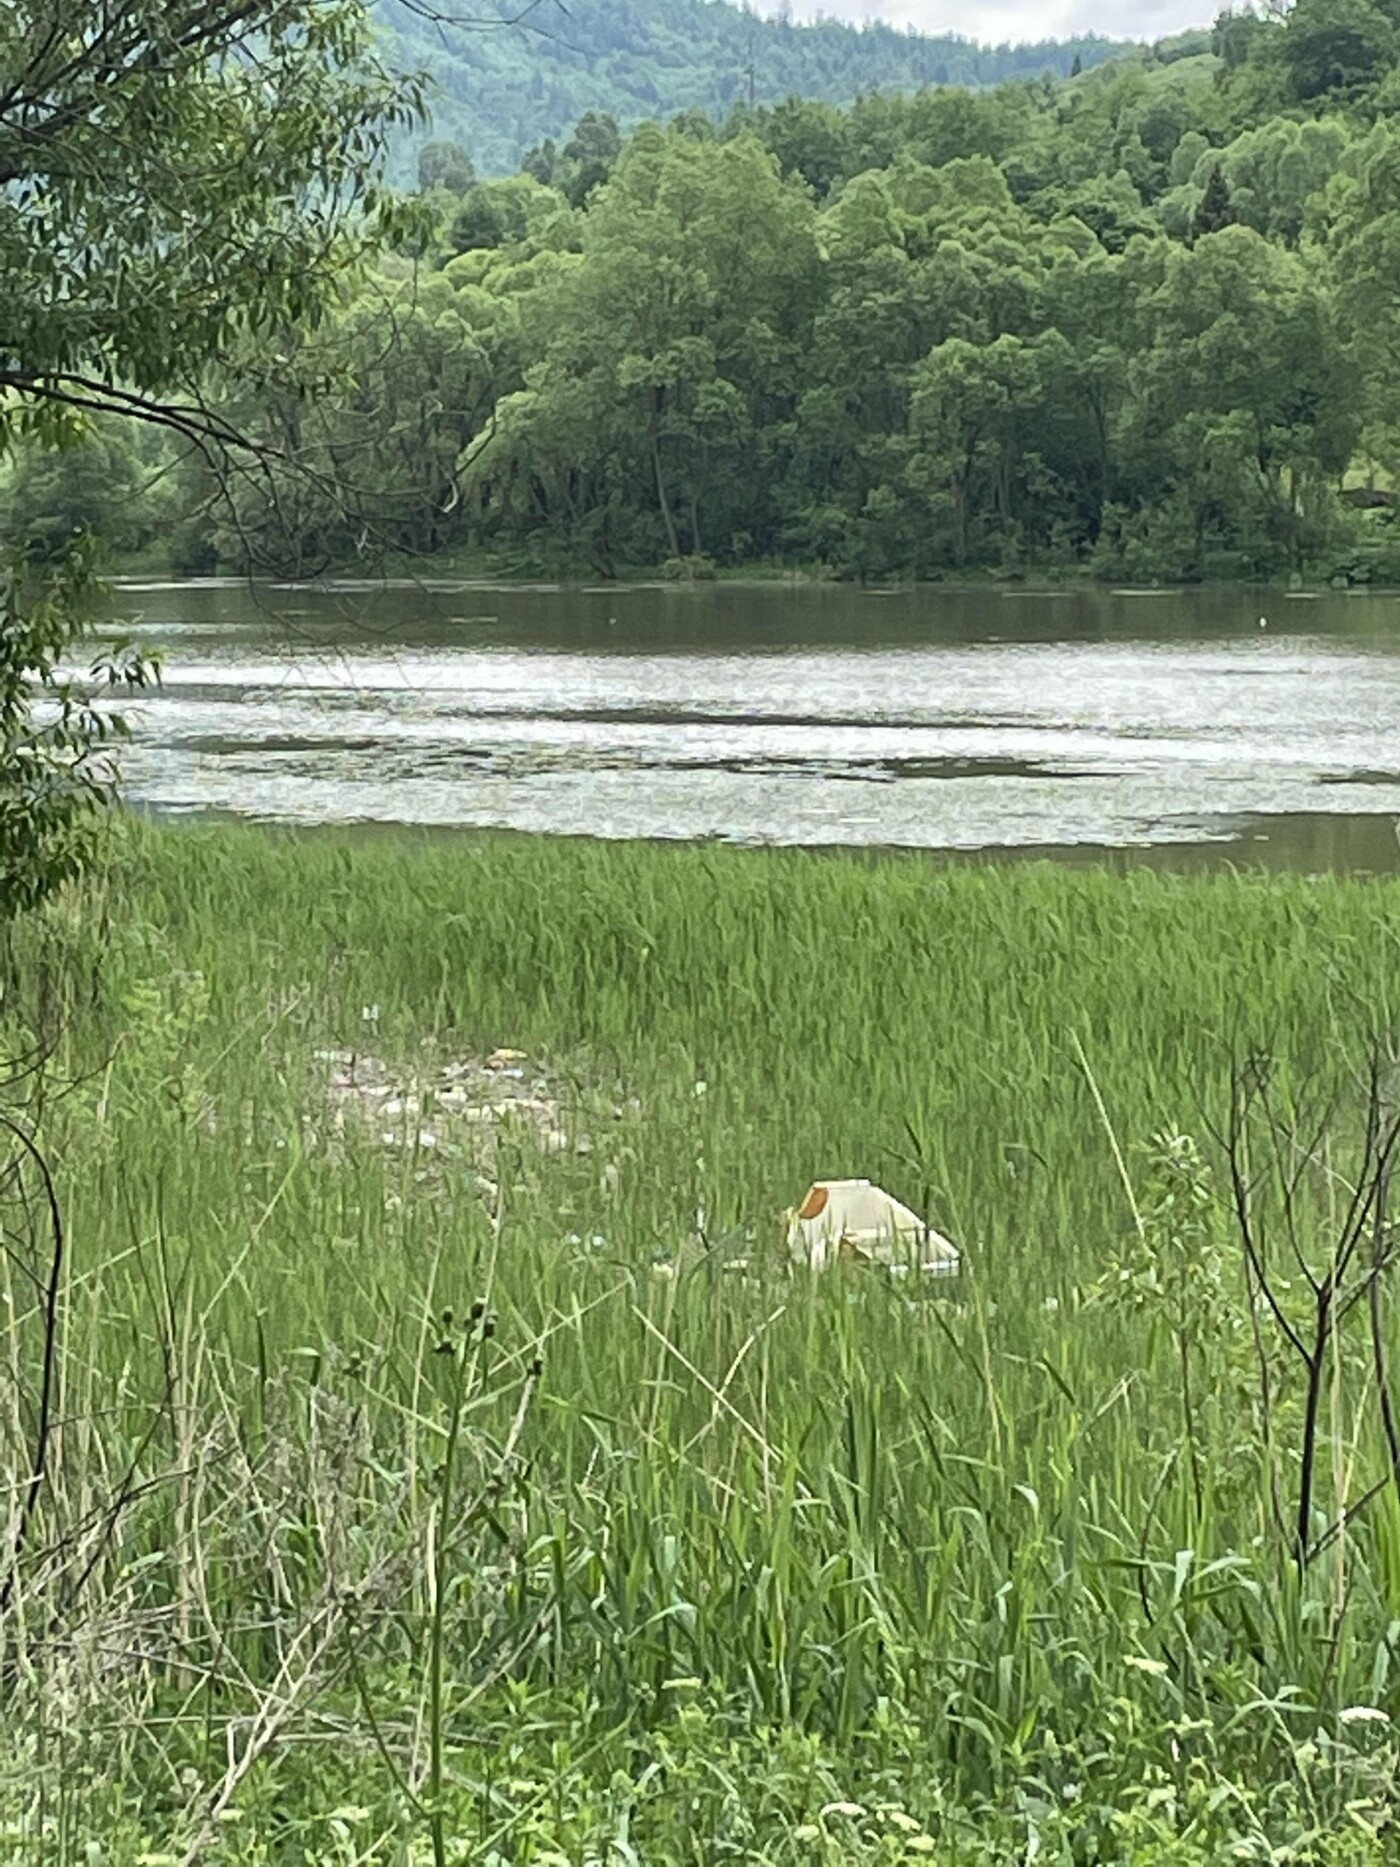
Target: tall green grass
column 764, row 1567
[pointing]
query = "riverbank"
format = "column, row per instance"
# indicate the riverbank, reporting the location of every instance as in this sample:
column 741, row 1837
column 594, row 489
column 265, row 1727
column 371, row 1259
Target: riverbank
column 511, row 570
column 663, row 1544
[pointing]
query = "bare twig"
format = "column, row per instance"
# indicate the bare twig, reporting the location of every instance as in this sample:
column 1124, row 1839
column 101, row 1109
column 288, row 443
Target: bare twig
column 38, row 1464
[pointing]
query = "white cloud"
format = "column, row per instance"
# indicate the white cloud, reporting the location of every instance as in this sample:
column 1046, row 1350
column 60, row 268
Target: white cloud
column 996, row 21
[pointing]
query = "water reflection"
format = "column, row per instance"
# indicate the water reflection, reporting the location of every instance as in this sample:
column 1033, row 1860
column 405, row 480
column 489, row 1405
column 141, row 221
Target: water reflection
column 966, row 721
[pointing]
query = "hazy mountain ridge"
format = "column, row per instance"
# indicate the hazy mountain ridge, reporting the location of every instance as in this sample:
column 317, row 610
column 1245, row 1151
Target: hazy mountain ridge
column 501, row 89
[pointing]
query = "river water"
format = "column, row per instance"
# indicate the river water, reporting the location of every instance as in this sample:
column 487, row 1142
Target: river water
column 1184, row 727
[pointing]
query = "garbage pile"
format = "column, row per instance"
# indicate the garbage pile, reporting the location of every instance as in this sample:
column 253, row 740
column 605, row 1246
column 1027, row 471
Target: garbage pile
column 468, row 1104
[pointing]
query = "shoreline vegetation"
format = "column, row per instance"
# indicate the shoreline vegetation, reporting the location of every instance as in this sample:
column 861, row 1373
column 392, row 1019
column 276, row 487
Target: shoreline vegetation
column 448, row 1450
column 487, row 571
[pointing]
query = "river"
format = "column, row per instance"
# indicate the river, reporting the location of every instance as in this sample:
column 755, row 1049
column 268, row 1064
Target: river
column 1175, row 727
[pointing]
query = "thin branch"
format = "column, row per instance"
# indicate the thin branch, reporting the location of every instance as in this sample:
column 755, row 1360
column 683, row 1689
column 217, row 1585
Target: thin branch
column 38, row 1469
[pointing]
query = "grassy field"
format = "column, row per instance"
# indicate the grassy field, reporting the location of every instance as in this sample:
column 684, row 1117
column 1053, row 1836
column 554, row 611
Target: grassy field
column 424, row 1484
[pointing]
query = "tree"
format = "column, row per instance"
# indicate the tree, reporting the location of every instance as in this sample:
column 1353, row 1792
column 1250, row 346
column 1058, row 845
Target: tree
column 92, row 487
column 809, row 139
column 55, row 773
column 406, row 376
column 445, row 165
column 504, row 92
column 1236, row 37
column 589, row 156
column 1331, row 45
column 479, row 225
column 917, row 256
column 665, row 354
column 1216, row 209
column 1241, row 391
column 968, row 399
column 249, row 133
column 541, row 162
column 719, row 348
column 1366, row 262
column 1085, row 301
column 180, row 180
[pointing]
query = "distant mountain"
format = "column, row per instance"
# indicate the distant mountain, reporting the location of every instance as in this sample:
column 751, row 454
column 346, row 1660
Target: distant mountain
column 501, row 87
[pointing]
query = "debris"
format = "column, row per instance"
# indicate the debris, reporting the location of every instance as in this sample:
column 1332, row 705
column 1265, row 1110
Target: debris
column 471, row 1102
column 854, row 1221
column 462, row 1111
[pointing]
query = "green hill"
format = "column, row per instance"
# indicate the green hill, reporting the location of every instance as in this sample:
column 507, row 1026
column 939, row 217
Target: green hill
column 500, row 89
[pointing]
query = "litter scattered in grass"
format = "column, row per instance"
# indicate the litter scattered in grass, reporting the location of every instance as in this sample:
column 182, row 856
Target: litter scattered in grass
column 466, row 1104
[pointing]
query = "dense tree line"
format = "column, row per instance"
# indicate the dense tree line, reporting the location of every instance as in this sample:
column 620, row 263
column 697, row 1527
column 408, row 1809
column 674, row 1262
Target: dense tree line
column 1142, row 322
column 500, row 90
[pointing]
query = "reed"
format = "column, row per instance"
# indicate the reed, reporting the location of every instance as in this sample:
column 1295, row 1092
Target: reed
column 685, row 1557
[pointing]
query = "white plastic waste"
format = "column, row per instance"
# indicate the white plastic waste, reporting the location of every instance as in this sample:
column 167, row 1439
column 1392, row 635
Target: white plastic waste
column 855, row 1221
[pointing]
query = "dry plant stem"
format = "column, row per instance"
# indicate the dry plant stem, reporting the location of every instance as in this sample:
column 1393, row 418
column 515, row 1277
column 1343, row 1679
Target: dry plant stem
column 437, row 1814
column 1346, row 1278
column 38, row 1465
column 299, row 1675
column 719, row 1398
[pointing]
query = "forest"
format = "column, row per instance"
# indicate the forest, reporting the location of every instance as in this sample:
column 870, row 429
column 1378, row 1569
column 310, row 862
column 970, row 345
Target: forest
column 1137, row 324
column 498, row 91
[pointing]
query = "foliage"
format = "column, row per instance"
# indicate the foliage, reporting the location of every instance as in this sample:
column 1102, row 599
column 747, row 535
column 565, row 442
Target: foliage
column 1135, row 323
column 176, row 180
column 248, row 135
column 55, row 766
column 669, row 336
column 92, row 483
column 445, row 165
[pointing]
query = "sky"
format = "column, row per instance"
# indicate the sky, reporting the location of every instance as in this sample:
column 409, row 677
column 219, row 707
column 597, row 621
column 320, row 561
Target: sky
column 995, row 21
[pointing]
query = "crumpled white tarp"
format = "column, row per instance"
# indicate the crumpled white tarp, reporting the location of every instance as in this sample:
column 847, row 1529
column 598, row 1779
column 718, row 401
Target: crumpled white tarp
column 855, row 1221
